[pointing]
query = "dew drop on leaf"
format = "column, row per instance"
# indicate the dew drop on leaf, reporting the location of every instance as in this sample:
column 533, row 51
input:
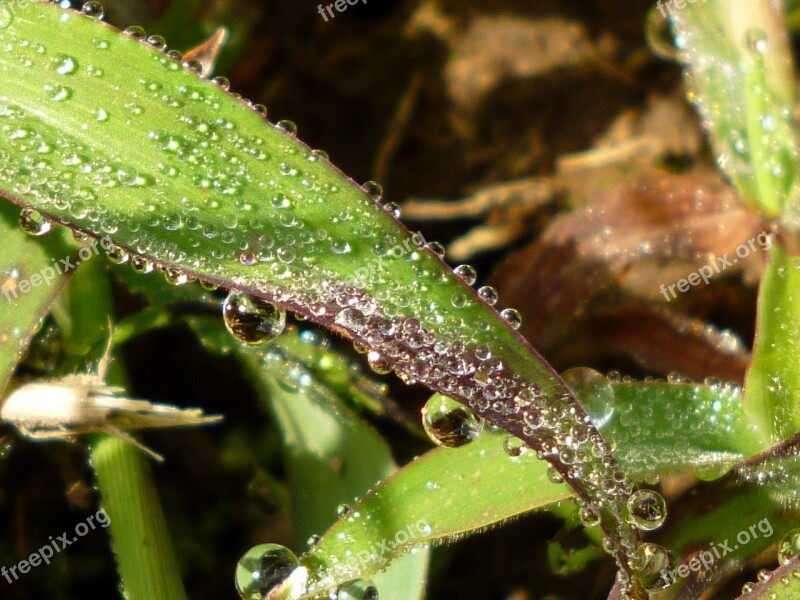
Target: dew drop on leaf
column 378, row 363
column 467, row 273
column 653, row 562
column 448, row 423
column 252, row 321
column 33, row 222
column 594, row 391
column 589, row 515
column 789, row 546
column 648, row 510
column 6, row 17
column 262, row 569
column 358, row 589
column 93, row 10
column 514, row 447
column 512, row 317
column 488, row 294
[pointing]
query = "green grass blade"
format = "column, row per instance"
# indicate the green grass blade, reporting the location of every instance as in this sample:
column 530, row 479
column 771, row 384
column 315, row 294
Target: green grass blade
column 739, row 72
column 178, row 171
column 21, row 313
column 774, row 375
column 138, row 528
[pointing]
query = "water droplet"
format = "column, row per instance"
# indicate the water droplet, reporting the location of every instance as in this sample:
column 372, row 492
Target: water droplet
column 343, row 510
column 748, row 587
column 512, row 316
column 449, row 423
column 489, row 295
column 66, row 65
column 467, row 273
column 195, row 66
column 94, row 10
column 789, row 546
column 157, row 42
column 263, row 569
column 251, row 320
column 176, row 277
column 589, row 515
column 141, row 265
column 222, row 82
column 594, row 392
column 287, row 126
column 554, row 476
column 6, row 17
column 653, row 562
column 755, row 40
column 313, row 540
column 135, row 32
column 514, row 447
column 378, row 363
column 117, row 255
column 373, row 189
column 436, row 248
column 648, row 510
column 33, row 222
column 357, row 589
column 58, row 93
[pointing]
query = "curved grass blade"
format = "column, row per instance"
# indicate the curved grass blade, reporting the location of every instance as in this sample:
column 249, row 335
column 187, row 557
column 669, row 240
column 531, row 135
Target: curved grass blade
column 782, row 584
column 774, row 374
column 212, row 191
column 24, row 305
column 739, row 74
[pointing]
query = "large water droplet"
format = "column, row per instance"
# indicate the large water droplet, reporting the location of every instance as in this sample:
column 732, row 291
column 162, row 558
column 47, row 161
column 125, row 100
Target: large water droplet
column 653, row 562
column 755, row 40
column 6, row 17
column 251, row 320
column 262, row 569
column 467, row 273
column 648, row 510
column 449, row 423
column 594, row 391
column 93, row 10
column 33, row 222
column 66, row 65
column 589, row 515
column 358, row 589
column 789, row 546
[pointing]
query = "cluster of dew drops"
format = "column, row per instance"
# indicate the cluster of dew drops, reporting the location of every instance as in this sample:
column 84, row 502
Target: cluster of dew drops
column 256, row 322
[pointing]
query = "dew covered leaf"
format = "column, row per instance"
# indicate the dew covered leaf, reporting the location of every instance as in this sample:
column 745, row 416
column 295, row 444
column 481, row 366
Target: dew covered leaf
column 739, row 516
column 774, row 375
column 21, row 313
column 739, row 75
column 454, row 492
column 110, row 136
column 331, row 456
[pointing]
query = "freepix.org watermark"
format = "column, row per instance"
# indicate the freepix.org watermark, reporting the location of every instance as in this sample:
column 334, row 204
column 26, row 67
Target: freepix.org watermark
column 705, row 559
column 665, row 7
column 48, row 551
column 339, row 5
column 16, row 285
column 401, row 538
column 706, row 272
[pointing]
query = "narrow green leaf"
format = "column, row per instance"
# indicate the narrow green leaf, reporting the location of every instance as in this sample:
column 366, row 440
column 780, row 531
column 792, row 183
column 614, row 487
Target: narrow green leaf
column 214, row 192
column 771, row 402
column 739, row 74
column 138, row 528
column 21, row 312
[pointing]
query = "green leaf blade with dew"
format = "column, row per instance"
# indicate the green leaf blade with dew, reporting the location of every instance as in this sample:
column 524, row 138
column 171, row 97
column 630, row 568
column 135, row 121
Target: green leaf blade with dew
column 180, row 173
